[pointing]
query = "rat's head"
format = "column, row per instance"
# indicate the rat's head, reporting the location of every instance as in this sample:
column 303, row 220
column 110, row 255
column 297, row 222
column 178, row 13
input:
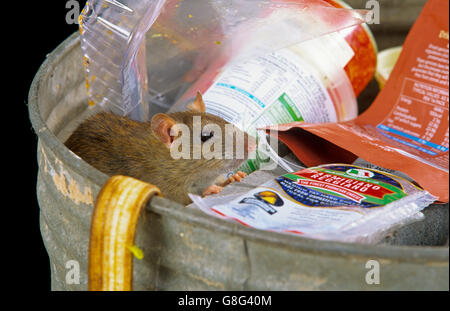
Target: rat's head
column 203, row 140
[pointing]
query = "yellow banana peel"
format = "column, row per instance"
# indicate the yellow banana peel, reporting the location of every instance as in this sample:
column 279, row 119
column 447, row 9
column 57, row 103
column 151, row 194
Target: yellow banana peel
column 113, row 230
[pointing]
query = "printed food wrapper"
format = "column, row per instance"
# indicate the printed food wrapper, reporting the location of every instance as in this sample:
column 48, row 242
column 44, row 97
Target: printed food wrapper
column 338, row 202
column 407, row 127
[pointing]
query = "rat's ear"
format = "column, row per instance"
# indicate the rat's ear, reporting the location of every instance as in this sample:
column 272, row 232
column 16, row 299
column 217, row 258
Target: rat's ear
column 162, row 125
column 198, row 105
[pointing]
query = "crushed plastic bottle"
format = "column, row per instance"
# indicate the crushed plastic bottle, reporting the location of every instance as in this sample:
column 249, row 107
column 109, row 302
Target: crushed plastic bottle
column 112, row 40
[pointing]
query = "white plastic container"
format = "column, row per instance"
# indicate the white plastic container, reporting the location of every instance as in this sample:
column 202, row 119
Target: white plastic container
column 305, row 82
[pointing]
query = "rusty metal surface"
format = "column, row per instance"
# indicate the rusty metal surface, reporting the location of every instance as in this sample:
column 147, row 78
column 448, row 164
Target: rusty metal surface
column 188, row 250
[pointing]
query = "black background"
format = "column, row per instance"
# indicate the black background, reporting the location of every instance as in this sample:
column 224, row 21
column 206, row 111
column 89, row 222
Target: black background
column 45, row 29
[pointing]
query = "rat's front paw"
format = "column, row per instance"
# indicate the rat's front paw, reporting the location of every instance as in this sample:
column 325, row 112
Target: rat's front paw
column 214, row 189
column 236, row 178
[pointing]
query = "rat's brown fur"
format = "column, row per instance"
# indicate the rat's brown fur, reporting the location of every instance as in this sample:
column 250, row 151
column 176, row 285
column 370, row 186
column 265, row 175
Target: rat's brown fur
column 119, row 146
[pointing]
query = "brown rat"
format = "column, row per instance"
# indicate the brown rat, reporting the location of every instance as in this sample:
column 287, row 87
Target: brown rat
column 118, row 145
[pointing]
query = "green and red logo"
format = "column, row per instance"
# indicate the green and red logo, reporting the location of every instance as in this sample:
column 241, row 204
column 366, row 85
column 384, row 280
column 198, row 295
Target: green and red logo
column 349, row 182
column 356, row 172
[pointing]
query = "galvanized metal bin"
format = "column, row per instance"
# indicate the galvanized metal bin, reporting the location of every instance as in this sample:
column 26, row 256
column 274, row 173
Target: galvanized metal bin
column 188, row 250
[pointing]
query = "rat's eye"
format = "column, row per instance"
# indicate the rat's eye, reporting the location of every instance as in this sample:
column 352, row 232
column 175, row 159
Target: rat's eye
column 207, row 136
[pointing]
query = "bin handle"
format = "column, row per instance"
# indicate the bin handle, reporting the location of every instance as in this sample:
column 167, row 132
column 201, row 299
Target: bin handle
column 113, row 229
